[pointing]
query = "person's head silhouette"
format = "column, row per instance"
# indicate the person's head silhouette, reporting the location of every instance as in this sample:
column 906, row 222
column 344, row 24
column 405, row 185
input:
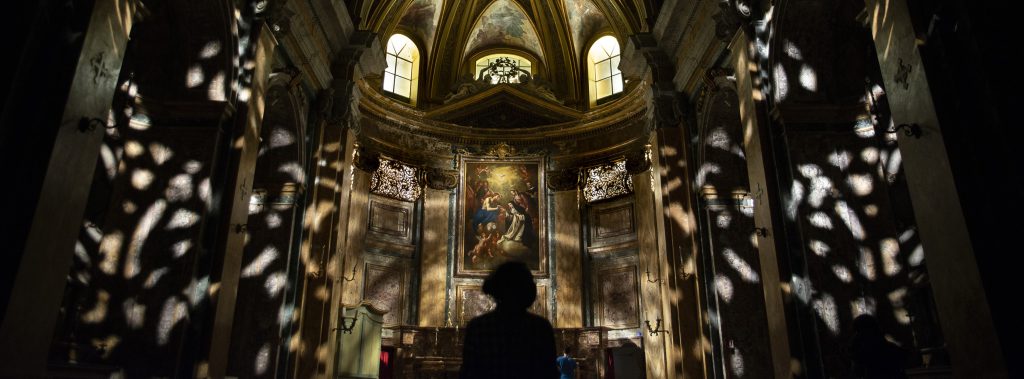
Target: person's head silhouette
column 867, row 325
column 512, row 287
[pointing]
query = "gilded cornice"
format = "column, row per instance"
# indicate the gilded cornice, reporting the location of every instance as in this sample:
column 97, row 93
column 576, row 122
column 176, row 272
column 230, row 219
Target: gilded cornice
column 610, row 116
column 414, row 135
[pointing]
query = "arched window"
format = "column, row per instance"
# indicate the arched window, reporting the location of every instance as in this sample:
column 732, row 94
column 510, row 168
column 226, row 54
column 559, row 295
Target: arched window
column 485, row 61
column 403, row 65
column 604, row 74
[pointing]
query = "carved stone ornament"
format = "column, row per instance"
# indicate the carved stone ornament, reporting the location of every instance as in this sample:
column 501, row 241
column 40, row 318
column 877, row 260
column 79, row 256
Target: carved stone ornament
column 727, row 21
column 502, row 150
column 668, row 112
column 563, row 180
column 440, row 179
column 638, row 161
column 366, row 161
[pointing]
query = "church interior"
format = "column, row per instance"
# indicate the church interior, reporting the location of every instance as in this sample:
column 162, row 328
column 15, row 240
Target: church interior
column 318, row 188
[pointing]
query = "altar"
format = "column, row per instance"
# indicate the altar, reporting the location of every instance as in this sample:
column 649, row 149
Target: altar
column 436, row 353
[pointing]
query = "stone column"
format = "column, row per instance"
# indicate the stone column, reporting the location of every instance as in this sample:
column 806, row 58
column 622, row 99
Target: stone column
column 963, row 309
column 31, row 313
column 434, row 252
column 651, row 241
column 243, row 165
column 741, row 48
column 568, row 255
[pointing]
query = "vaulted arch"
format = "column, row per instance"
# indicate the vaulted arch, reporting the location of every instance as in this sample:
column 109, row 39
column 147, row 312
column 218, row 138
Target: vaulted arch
column 504, row 23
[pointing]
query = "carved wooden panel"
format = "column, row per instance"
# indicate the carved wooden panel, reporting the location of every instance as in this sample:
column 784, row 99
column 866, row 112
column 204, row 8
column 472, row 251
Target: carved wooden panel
column 471, row 301
column 384, row 287
column 617, row 300
column 612, row 226
column 390, row 225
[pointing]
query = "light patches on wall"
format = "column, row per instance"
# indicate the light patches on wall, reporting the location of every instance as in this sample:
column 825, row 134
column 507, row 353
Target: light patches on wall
column 179, row 188
column 825, row 307
column 746, row 271
column 275, row 283
column 256, row 267
column 504, row 23
column 866, row 263
column 134, row 313
column 723, row 287
column 851, row 220
column 421, row 19
column 172, row 312
column 133, row 258
column 890, row 256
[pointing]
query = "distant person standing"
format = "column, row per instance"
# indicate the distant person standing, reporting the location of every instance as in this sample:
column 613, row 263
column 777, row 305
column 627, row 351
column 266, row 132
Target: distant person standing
column 566, row 365
column 874, row 357
column 509, row 342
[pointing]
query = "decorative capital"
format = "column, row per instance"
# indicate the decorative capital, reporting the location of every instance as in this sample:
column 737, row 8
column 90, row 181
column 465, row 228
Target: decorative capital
column 563, row 180
column 366, row 161
column 668, row 109
column 440, row 179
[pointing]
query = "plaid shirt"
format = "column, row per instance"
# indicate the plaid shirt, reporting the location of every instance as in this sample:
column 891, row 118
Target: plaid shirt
column 509, row 344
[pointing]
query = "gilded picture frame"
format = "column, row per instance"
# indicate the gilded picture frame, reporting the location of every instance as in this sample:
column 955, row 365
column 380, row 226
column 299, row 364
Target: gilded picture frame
column 501, row 215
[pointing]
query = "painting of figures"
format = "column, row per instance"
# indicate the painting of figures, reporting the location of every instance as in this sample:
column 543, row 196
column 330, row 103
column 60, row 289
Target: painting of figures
column 501, row 216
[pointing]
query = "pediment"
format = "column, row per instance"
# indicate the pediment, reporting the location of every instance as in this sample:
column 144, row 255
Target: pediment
column 504, row 106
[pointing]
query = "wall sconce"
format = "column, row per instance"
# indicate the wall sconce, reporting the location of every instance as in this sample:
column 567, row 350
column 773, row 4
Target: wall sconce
column 657, row 327
column 86, row 124
column 347, row 329
column 910, row 130
column 761, row 232
column 657, row 279
column 240, row 228
column 349, row 279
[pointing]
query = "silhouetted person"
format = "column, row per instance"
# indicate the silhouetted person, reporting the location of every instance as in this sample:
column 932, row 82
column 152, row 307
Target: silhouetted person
column 509, row 342
column 874, row 357
column 566, row 365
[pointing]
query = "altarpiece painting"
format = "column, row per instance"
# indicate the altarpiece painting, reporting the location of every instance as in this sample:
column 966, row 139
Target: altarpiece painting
column 501, row 215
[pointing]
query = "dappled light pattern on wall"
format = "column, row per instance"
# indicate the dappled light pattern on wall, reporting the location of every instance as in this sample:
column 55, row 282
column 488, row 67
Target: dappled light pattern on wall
column 862, row 251
column 733, row 267
column 504, row 23
column 134, row 275
column 263, row 312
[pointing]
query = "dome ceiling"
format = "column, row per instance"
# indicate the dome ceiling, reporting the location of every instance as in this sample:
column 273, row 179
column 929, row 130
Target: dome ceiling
column 504, row 24
column 450, row 33
column 585, row 20
column 420, row 19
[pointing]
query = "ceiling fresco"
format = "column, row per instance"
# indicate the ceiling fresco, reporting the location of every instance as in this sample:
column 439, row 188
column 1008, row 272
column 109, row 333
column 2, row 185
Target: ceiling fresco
column 585, row 19
column 504, row 23
column 421, row 19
